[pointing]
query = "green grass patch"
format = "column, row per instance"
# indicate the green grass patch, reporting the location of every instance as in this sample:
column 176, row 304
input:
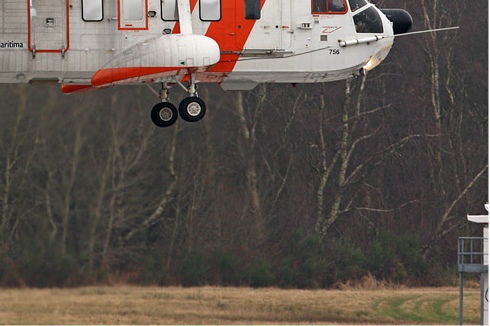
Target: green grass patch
column 420, row 309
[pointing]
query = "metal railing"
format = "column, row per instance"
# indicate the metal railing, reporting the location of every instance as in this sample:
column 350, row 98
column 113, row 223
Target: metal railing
column 471, row 257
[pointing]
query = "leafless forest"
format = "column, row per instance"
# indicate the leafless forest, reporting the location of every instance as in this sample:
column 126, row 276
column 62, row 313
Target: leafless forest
column 304, row 186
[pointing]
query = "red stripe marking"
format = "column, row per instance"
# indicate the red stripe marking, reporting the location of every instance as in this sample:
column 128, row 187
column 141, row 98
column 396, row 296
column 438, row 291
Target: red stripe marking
column 105, row 77
column 75, row 88
column 231, row 33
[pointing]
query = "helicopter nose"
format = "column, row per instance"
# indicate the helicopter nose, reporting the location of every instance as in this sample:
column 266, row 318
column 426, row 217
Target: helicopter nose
column 401, row 19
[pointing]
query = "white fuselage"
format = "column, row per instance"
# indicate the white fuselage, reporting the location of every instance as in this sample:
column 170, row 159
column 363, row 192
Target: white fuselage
column 68, row 41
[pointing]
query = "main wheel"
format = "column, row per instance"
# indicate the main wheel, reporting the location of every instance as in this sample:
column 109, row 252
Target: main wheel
column 192, row 109
column 164, row 114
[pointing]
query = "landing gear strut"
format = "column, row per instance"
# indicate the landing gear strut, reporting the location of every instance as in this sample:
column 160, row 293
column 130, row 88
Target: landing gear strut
column 191, row 109
column 164, row 114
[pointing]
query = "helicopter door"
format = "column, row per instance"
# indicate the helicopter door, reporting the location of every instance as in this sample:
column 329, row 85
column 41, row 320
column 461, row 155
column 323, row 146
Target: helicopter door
column 48, row 26
column 262, row 21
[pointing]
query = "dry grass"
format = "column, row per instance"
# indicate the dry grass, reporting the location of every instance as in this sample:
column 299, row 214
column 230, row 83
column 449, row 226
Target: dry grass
column 215, row 305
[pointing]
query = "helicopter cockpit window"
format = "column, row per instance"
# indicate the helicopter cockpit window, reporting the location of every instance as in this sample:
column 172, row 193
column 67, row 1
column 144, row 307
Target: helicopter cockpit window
column 368, row 21
column 357, row 4
column 329, row 6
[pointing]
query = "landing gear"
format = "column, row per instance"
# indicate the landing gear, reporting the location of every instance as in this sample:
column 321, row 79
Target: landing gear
column 191, row 108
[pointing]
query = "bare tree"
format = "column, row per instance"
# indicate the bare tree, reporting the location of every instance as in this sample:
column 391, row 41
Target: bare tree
column 452, row 183
column 12, row 151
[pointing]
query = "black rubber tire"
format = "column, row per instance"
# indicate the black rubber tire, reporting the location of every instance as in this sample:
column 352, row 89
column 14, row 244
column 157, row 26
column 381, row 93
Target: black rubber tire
column 164, row 114
column 192, row 109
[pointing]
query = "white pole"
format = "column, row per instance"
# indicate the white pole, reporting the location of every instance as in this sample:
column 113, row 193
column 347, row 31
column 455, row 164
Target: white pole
column 485, row 275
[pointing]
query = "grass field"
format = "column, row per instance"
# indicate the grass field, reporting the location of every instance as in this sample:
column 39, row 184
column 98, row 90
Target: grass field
column 216, row 305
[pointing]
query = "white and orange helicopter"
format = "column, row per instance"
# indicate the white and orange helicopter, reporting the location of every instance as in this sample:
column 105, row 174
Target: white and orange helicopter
column 92, row 44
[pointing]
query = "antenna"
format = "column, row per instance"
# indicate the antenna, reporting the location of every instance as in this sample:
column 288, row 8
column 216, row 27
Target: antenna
column 428, row 31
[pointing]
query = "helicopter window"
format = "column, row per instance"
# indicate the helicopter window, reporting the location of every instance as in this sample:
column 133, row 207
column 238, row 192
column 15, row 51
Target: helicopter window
column 169, row 10
column 210, row 10
column 131, row 14
column 329, row 6
column 368, row 21
column 92, row 10
column 132, row 10
column 252, row 9
column 319, row 6
column 357, row 4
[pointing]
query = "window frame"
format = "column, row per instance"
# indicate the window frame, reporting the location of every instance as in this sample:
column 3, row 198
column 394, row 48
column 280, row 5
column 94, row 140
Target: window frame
column 252, row 9
column 93, row 20
column 362, row 4
column 175, row 18
column 210, row 20
column 373, row 25
column 327, row 12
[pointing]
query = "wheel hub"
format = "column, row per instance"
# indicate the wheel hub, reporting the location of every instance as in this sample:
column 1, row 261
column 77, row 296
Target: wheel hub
column 166, row 114
column 194, row 109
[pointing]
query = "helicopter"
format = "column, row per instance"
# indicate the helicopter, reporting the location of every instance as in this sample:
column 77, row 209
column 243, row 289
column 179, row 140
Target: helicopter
column 93, row 44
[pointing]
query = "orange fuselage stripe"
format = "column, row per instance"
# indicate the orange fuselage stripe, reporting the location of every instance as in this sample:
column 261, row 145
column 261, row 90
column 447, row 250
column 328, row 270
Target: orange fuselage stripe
column 104, row 77
column 231, row 33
